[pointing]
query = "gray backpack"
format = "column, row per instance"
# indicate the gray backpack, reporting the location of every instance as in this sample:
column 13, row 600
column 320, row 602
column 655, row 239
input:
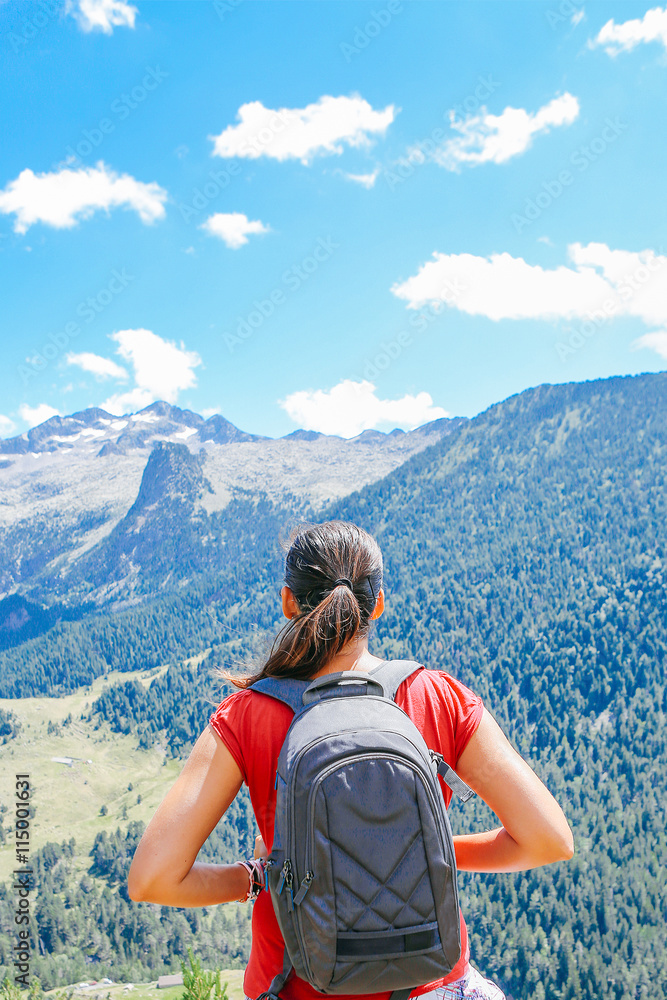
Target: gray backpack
column 362, row 874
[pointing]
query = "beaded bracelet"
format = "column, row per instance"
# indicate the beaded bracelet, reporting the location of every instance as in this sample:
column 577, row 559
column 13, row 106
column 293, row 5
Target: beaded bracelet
column 255, row 869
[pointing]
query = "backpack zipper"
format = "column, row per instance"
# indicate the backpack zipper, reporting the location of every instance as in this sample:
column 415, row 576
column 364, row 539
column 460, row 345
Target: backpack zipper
column 269, row 863
column 286, row 879
column 304, row 887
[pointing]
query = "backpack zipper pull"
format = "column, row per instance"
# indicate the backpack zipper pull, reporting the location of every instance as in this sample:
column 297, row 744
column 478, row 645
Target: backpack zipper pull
column 285, row 871
column 267, row 865
column 304, row 887
column 289, row 883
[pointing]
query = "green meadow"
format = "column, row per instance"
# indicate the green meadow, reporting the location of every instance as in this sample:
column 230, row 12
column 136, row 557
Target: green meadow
column 107, row 769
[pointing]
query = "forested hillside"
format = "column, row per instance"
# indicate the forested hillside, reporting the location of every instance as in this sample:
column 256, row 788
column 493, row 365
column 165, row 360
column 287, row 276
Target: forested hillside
column 524, row 553
column 527, row 557
column 175, row 619
column 88, row 926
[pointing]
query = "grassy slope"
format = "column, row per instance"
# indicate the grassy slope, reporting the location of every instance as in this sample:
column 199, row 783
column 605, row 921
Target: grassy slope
column 67, row 800
column 149, row 991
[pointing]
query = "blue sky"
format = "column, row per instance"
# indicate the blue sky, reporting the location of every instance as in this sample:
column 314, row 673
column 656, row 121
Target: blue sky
column 327, row 214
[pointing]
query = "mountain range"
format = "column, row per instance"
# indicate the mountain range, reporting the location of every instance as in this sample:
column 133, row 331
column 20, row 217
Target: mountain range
column 74, row 485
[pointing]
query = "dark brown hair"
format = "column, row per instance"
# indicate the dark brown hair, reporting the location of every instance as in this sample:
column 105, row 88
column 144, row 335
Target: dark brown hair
column 330, row 613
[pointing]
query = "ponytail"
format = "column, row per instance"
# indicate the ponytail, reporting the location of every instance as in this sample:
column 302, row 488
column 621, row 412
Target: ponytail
column 334, row 571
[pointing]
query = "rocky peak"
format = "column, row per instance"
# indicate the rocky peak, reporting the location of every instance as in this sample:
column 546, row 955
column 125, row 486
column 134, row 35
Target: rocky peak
column 172, row 473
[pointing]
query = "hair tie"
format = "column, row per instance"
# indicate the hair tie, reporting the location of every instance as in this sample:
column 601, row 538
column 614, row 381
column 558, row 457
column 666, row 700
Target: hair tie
column 342, row 582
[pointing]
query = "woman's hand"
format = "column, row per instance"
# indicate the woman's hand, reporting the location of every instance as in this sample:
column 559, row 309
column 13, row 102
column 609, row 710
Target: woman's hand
column 164, row 869
column 260, row 848
column 534, row 831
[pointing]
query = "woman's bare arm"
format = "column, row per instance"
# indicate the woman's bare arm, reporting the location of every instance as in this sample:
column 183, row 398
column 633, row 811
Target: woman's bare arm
column 164, row 869
column 534, row 830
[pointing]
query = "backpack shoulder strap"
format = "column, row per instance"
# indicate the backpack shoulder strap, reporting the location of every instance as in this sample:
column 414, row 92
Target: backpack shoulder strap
column 392, row 673
column 285, row 689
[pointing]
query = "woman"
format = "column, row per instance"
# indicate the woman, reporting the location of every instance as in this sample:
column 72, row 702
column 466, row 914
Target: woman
column 332, row 593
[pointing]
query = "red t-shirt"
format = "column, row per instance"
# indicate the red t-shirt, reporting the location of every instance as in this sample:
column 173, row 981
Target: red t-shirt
column 253, row 726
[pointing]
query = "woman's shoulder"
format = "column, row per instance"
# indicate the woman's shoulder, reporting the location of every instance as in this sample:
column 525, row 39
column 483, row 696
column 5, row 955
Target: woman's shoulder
column 445, row 709
column 430, row 679
column 244, row 703
column 438, row 692
column 238, row 695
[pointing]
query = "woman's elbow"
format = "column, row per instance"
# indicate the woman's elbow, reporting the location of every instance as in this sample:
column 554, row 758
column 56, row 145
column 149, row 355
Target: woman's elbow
column 568, row 846
column 140, row 888
column 561, row 847
column 135, row 889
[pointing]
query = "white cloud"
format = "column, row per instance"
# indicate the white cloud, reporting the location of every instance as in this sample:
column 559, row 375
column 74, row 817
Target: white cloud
column 233, row 227
column 102, row 367
column 161, row 370
column 504, row 287
column 655, row 341
column 210, row 411
column 34, row 415
column 101, row 15
column 302, row 133
column 599, row 284
column 62, row 198
column 615, row 38
column 486, row 138
column 129, row 402
column 7, row 425
column 366, row 180
column 577, row 17
column 352, row 407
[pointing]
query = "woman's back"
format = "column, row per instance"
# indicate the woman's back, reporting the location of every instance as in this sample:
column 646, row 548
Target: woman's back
column 253, row 727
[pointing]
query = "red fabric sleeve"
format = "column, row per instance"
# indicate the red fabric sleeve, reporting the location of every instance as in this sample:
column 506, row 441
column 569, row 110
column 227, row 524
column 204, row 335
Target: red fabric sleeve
column 469, row 709
column 231, row 708
column 445, row 711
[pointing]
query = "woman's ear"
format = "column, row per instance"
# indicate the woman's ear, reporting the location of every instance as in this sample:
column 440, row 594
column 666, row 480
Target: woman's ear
column 379, row 606
column 290, row 607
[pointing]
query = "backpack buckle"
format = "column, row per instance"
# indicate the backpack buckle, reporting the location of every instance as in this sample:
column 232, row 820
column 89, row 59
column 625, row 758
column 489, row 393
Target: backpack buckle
column 451, row 778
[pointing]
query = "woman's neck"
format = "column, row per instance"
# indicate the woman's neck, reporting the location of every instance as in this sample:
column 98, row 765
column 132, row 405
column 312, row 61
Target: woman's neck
column 353, row 656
